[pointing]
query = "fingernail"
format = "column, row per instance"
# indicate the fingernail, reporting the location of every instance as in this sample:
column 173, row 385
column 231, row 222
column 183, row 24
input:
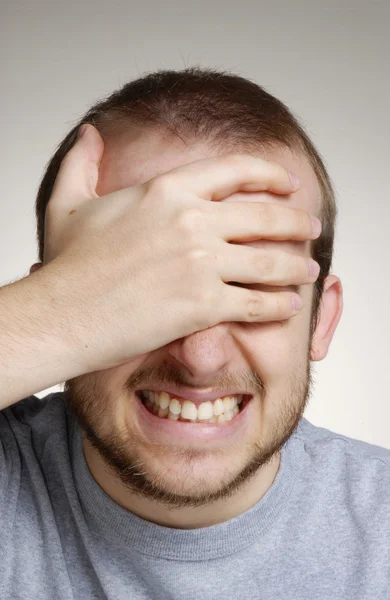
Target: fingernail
column 294, row 180
column 82, row 130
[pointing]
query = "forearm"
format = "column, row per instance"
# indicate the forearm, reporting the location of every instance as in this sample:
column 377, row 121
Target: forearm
column 35, row 337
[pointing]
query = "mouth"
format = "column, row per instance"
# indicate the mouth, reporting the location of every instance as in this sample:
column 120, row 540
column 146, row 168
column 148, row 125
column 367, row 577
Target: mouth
column 161, row 425
column 173, row 408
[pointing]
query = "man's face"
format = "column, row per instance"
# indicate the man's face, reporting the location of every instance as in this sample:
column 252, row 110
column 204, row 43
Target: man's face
column 271, row 361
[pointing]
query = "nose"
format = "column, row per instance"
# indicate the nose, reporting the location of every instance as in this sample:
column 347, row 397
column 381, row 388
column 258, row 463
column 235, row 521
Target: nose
column 204, row 353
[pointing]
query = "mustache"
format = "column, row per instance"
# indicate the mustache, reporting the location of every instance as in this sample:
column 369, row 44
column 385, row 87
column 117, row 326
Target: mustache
column 170, row 375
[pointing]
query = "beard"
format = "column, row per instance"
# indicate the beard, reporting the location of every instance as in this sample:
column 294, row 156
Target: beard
column 142, row 466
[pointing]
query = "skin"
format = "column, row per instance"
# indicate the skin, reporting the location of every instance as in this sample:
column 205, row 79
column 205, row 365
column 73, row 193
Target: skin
column 184, row 485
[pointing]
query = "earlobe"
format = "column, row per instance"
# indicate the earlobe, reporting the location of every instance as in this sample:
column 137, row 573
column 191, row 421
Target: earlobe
column 35, row 267
column 331, row 311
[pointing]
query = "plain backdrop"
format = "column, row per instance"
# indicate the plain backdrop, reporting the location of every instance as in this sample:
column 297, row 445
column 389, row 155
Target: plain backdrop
column 328, row 61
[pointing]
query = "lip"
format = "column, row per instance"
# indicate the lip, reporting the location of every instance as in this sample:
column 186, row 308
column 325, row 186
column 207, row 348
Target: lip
column 166, row 431
column 196, row 396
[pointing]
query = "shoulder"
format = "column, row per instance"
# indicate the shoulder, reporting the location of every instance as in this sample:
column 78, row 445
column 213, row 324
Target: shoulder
column 34, row 409
column 33, row 420
column 318, row 439
column 350, row 470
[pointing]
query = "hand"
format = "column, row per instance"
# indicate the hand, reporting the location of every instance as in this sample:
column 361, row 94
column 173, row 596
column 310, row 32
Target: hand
column 143, row 266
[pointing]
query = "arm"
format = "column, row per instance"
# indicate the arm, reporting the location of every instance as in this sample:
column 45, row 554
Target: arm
column 35, row 336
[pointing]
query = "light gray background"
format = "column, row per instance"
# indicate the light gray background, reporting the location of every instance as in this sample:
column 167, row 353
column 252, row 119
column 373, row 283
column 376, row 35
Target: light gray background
column 328, row 61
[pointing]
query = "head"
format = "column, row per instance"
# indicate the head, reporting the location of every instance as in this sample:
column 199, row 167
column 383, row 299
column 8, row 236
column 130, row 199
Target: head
column 150, row 126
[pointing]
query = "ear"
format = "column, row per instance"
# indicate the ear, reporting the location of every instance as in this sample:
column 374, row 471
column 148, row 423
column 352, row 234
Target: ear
column 331, row 309
column 35, row 267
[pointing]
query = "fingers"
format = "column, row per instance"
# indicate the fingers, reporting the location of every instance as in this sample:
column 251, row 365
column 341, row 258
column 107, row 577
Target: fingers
column 246, row 265
column 250, row 306
column 218, row 177
column 259, row 220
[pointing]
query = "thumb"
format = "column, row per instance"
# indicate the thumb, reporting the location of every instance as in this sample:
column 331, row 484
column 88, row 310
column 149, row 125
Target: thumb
column 77, row 177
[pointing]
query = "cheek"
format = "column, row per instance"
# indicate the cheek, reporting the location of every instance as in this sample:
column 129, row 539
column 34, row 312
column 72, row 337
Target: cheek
column 277, row 348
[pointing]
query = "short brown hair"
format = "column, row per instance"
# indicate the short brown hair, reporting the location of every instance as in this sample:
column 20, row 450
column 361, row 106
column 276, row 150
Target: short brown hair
column 225, row 110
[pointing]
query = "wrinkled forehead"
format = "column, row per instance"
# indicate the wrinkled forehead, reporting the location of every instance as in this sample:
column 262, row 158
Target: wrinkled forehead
column 134, row 157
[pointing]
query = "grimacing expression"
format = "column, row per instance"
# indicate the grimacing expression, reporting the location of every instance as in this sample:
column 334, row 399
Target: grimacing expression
column 269, row 360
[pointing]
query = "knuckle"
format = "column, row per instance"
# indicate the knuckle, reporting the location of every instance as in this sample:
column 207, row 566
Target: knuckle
column 256, row 306
column 189, row 220
column 161, row 185
column 266, row 212
column 197, row 257
column 200, row 270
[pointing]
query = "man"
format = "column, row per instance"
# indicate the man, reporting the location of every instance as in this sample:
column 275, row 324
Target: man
column 173, row 235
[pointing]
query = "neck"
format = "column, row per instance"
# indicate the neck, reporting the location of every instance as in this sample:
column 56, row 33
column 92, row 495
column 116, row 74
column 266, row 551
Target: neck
column 186, row 517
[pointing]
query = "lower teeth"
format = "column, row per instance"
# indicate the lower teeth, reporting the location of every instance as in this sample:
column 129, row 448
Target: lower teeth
column 164, row 413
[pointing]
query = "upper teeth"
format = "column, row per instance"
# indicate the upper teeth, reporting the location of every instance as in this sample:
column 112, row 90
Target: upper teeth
column 188, row 409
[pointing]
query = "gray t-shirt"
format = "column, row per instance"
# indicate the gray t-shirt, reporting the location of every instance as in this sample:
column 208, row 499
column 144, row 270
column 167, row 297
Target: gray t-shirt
column 322, row 531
